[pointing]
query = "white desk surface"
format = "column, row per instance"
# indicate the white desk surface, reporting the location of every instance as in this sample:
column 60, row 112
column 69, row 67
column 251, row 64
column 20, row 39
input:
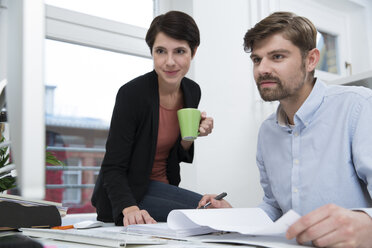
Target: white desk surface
column 74, row 218
column 194, row 243
column 48, row 243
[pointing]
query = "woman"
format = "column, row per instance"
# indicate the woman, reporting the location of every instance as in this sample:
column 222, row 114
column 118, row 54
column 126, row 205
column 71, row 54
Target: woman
column 140, row 173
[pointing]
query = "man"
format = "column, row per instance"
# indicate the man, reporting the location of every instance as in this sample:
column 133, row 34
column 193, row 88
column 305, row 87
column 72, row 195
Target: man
column 314, row 154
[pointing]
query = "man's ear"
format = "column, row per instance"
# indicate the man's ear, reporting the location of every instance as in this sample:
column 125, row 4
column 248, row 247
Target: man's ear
column 312, row 58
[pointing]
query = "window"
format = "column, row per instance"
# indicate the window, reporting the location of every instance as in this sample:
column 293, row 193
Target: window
column 87, row 60
column 329, row 59
column 71, row 195
column 85, row 80
column 73, row 177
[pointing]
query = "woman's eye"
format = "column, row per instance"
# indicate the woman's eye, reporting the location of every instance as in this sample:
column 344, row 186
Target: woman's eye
column 180, row 51
column 159, row 51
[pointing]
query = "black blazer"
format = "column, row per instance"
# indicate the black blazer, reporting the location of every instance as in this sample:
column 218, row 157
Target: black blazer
column 131, row 146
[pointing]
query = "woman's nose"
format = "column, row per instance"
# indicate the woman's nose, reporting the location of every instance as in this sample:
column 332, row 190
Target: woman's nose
column 170, row 59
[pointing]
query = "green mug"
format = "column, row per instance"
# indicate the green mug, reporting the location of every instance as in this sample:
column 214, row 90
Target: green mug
column 189, row 120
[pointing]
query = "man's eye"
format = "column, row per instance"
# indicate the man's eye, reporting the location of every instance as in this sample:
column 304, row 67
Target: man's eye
column 256, row 60
column 278, row 56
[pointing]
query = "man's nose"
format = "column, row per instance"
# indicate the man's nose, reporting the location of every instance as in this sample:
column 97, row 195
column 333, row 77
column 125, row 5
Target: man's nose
column 264, row 67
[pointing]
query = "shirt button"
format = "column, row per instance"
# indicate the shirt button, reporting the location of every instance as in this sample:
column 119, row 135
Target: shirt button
column 296, row 134
column 296, row 161
column 295, row 190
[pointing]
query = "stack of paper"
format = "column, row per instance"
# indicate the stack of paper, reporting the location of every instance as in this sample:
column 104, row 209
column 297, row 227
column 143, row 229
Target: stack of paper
column 162, row 230
column 189, row 222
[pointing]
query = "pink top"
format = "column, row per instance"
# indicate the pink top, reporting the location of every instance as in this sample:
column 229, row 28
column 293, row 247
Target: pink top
column 168, row 133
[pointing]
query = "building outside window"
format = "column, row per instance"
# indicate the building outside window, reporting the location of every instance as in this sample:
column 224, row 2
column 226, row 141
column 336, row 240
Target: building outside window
column 72, row 195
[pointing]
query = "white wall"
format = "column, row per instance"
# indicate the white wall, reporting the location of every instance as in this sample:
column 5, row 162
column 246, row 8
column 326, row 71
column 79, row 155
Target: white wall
column 224, row 156
column 225, row 161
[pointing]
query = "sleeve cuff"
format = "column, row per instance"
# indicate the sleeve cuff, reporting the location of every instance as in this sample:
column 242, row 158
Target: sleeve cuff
column 366, row 210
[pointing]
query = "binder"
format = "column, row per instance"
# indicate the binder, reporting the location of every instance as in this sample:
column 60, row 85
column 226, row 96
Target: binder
column 16, row 215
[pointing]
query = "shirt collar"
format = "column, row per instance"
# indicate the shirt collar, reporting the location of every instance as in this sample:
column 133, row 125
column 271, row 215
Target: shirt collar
column 281, row 117
column 307, row 109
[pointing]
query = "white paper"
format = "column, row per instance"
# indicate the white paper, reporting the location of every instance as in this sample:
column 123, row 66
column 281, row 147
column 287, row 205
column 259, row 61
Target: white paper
column 261, row 241
column 163, row 230
column 189, row 222
column 280, row 226
column 253, row 221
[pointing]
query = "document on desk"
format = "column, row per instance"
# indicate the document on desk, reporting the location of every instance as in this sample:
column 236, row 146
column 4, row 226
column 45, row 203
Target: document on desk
column 106, row 236
column 189, row 222
column 256, row 241
column 163, row 230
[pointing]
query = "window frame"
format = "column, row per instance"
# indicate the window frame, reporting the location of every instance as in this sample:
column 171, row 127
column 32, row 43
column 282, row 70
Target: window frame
column 86, row 30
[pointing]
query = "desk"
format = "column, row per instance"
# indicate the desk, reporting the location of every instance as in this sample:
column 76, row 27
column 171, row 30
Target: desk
column 170, row 244
column 193, row 242
column 74, row 218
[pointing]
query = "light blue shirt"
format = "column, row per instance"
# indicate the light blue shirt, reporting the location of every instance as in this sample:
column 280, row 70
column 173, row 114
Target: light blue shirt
column 326, row 157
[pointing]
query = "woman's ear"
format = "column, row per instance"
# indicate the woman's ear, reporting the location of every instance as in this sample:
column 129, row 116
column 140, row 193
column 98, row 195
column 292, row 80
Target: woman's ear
column 312, row 58
column 195, row 49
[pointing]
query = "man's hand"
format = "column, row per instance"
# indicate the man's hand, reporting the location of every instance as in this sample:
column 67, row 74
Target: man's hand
column 133, row 215
column 333, row 226
column 214, row 203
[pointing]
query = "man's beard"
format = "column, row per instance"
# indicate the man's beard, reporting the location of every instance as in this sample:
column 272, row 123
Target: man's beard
column 280, row 92
column 272, row 94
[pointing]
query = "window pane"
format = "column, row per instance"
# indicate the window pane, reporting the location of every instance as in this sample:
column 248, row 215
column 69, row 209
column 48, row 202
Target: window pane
column 72, row 195
column 81, row 86
column 117, row 10
column 329, row 59
column 85, row 80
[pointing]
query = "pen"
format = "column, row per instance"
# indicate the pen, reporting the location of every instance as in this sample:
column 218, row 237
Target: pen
column 63, row 227
column 219, row 197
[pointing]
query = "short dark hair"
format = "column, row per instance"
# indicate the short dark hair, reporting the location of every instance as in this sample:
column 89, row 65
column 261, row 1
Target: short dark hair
column 177, row 25
column 297, row 29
